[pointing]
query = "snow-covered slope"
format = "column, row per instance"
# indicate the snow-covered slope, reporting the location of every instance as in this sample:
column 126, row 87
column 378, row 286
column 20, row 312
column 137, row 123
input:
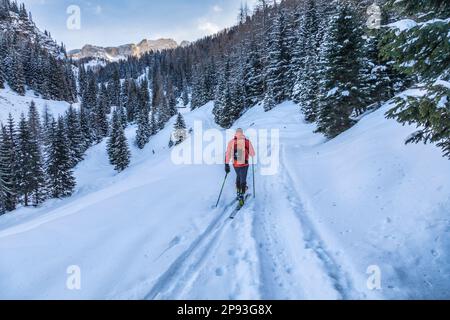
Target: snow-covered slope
column 11, row 102
column 332, row 210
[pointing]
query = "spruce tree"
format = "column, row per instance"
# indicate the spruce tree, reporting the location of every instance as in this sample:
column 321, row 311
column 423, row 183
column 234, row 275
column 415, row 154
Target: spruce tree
column 34, row 122
column 143, row 132
column 86, row 129
column 9, row 154
column 423, row 51
column 8, row 198
column 269, row 101
column 117, row 146
column 340, row 95
column 275, row 67
column 185, row 94
column 180, row 129
column 2, row 75
column 60, row 180
column 30, row 166
column 74, row 136
column 100, row 117
column 16, row 76
column 47, row 119
column 307, row 74
column 253, row 75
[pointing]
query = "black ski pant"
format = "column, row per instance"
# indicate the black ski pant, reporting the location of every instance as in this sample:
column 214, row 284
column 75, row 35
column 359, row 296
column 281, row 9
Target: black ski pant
column 241, row 179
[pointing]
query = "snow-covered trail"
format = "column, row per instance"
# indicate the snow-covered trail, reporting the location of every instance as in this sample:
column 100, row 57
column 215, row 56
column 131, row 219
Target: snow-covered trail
column 270, row 251
column 331, row 210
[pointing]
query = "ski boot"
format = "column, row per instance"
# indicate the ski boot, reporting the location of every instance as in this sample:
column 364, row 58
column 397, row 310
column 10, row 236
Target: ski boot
column 241, row 199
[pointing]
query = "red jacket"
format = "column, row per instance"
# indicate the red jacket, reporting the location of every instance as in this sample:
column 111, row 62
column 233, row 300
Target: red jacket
column 240, row 150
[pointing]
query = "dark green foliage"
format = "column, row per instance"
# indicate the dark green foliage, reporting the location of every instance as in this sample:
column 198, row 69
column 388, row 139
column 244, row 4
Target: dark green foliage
column 117, row 146
column 423, row 51
column 60, row 179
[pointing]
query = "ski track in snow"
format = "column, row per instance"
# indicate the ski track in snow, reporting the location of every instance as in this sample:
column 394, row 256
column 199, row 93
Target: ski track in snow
column 291, row 264
column 313, row 241
column 285, row 271
column 183, row 271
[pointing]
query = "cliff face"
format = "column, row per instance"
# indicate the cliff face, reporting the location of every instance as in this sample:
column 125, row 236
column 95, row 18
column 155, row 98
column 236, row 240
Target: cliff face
column 124, row 51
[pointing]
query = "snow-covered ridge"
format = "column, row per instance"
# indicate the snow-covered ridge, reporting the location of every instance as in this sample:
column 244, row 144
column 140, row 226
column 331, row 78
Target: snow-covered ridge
column 123, row 52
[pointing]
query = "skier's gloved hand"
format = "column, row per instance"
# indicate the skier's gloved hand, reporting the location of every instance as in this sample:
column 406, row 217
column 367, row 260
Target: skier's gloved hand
column 227, row 168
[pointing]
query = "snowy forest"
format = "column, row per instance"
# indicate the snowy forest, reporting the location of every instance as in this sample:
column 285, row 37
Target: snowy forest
column 320, row 54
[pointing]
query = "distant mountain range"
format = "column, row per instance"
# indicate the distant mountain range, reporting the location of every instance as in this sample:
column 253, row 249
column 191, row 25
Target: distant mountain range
column 124, row 51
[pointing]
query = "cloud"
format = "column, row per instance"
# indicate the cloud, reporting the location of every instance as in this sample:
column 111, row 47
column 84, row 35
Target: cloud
column 98, row 10
column 207, row 26
column 217, row 8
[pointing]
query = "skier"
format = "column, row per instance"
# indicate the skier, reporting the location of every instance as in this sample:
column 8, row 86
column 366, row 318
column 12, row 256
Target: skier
column 240, row 149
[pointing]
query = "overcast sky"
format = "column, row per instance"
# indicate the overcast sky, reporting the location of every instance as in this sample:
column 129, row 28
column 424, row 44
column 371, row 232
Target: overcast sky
column 116, row 22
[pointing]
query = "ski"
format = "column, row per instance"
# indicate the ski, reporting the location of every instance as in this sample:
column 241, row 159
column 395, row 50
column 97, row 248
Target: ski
column 239, row 207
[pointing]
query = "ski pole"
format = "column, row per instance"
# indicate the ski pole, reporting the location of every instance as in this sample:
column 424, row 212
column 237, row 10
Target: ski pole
column 221, row 190
column 254, row 187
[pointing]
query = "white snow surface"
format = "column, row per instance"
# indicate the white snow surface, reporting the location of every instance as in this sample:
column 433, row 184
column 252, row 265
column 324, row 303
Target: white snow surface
column 11, row 102
column 334, row 209
column 403, row 25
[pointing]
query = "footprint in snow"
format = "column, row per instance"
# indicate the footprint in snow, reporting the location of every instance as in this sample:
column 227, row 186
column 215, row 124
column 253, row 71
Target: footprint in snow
column 220, row 272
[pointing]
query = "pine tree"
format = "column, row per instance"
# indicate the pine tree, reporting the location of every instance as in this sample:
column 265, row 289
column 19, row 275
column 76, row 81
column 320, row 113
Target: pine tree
column 144, row 130
column 306, row 57
column 86, row 129
column 171, row 99
column 221, row 92
column 47, row 120
column 275, row 67
column 180, row 129
column 2, row 75
column 34, row 122
column 253, row 75
column 132, row 101
column 38, row 191
column 30, row 166
column 61, row 182
column 423, row 51
column 9, row 155
column 125, row 99
column 16, row 76
column 100, row 117
column 114, row 89
column 269, row 101
column 117, row 146
column 376, row 85
column 82, row 80
column 89, row 99
column 122, row 116
column 3, row 193
column 185, row 94
column 74, row 136
column 340, row 95
column 8, row 198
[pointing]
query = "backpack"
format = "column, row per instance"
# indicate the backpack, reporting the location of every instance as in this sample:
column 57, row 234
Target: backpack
column 238, row 153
